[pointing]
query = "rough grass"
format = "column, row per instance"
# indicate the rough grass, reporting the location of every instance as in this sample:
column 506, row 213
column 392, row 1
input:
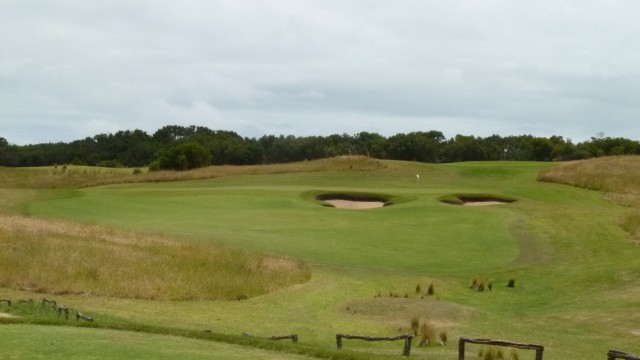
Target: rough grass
column 618, row 176
column 60, row 257
column 85, row 176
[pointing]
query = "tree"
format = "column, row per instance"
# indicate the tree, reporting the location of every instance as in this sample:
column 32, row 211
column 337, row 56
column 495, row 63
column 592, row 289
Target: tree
column 185, row 156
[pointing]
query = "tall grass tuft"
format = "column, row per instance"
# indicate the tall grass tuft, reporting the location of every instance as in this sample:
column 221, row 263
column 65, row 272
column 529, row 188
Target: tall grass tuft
column 431, row 290
column 415, row 325
column 497, row 353
column 427, row 334
column 59, row 257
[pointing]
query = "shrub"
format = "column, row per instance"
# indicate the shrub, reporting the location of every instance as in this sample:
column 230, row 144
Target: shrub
column 185, row 156
column 430, row 290
column 418, row 289
column 511, row 283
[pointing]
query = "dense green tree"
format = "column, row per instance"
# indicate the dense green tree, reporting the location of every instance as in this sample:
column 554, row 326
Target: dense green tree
column 185, row 156
column 371, row 144
column 137, row 148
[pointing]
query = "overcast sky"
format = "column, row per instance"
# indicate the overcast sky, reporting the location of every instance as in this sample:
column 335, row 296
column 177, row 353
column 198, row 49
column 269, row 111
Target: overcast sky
column 77, row 68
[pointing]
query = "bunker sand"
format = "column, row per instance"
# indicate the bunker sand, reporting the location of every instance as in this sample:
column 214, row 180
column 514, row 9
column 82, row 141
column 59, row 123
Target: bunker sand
column 484, row 203
column 355, row 205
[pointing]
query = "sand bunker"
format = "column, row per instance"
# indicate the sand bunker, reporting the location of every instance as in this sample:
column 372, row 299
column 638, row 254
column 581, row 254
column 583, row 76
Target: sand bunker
column 476, row 200
column 355, row 201
column 5, row 315
column 348, row 204
column 484, row 203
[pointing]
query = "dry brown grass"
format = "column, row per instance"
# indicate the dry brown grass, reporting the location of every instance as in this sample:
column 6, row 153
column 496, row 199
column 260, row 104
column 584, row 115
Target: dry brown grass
column 83, row 176
column 60, row 257
column 618, row 176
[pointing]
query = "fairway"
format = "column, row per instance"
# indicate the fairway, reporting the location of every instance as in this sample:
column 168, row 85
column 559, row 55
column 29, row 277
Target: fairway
column 576, row 271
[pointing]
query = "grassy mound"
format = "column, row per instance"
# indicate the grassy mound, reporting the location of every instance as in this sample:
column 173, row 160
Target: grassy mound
column 59, row 257
column 616, row 175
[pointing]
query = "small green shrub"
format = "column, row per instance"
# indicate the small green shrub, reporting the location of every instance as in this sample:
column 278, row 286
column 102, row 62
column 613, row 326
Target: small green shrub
column 511, row 283
column 430, row 290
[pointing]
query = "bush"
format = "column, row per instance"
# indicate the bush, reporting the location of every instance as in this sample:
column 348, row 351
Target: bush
column 185, row 156
column 430, row 291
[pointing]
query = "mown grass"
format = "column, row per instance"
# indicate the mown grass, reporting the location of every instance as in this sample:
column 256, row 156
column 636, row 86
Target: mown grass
column 26, row 342
column 576, row 270
column 60, row 257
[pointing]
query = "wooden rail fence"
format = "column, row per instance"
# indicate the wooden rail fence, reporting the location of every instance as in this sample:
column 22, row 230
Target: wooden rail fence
column 539, row 349
column 293, row 337
column 463, row 340
column 407, row 340
column 615, row 354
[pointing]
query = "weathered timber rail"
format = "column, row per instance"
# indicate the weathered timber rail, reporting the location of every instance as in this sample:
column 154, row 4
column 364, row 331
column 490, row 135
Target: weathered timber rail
column 81, row 316
column 49, row 302
column 615, row 354
column 292, row 337
column 407, row 340
column 463, row 340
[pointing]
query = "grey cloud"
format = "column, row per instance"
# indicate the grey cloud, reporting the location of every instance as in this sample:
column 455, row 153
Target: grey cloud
column 76, row 68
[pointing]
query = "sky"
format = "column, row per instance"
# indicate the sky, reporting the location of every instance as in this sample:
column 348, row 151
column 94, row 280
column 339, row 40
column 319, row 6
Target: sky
column 71, row 69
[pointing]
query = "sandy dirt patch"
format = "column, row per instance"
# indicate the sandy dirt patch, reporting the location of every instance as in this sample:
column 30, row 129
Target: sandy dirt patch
column 356, row 205
column 5, row 315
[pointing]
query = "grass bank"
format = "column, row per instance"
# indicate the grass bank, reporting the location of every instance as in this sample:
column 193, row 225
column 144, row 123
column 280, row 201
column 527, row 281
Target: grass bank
column 61, row 257
column 618, row 176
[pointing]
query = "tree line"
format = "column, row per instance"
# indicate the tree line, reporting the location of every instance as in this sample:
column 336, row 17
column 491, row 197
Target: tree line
column 186, row 147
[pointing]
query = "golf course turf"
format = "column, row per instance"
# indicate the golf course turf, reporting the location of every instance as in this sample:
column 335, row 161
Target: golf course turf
column 576, row 271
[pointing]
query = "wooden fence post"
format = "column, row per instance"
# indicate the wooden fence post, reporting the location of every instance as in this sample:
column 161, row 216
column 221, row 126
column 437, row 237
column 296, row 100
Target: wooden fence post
column 538, row 348
column 406, row 350
column 615, row 354
column 407, row 346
